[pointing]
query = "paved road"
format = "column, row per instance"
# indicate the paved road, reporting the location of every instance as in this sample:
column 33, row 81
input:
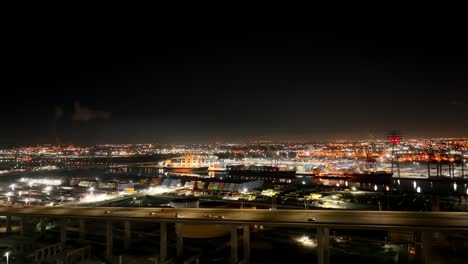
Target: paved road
column 344, row 219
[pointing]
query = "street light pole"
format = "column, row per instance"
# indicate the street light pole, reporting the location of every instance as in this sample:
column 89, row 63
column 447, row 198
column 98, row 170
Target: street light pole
column 7, row 255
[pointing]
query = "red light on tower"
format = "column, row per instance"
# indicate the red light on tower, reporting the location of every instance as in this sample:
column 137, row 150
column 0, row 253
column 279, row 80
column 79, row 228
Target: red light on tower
column 395, row 140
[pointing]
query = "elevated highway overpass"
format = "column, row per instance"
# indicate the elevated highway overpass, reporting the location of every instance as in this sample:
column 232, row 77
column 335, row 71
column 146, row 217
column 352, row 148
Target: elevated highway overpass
column 323, row 220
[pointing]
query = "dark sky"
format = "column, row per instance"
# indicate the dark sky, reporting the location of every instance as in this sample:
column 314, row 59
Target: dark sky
column 106, row 73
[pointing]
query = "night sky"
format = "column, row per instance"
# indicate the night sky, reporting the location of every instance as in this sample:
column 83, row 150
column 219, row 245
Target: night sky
column 136, row 74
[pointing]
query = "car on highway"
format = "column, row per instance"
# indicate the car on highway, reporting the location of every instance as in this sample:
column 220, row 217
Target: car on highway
column 214, row 216
column 177, row 215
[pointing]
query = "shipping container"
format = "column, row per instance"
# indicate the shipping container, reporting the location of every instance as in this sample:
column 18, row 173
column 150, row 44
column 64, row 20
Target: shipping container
column 122, row 186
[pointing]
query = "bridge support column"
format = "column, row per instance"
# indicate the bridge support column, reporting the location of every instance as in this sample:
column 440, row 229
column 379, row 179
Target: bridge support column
column 403, row 254
column 63, row 231
column 42, row 226
column 323, row 249
column 8, row 225
column 246, row 241
column 463, row 169
column 435, row 203
column 127, row 234
column 180, row 245
column 23, row 221
column 234, row 256
column 82, row 229
column 426, row 247
column 163, row 242
column 109, row 241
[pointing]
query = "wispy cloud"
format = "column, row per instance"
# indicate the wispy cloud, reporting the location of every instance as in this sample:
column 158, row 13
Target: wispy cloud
column 83, row 113
column 58, row 113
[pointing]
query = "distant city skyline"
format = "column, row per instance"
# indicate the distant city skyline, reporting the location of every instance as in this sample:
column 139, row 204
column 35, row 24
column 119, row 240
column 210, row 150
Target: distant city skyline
column 255, row 142
column 112, row 74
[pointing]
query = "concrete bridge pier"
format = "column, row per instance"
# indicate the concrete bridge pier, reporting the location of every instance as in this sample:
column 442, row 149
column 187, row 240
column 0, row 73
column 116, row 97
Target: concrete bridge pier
column 63, row 230
column 8, row 225
column 246, row 242
column 42, row 226
column 127, row 234
column 82, row 224
column 163, row 242
column 426, row 238
column 23, row 221
column 435, row 203
column 323, row 248
column 27, row 226
column 109, row 241
column 180, row 245
column 234, row 256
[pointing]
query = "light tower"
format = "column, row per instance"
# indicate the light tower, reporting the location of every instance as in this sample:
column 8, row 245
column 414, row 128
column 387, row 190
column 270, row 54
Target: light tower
column 394, row 138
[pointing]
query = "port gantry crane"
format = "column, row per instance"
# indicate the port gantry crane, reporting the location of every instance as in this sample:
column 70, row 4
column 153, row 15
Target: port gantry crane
column 274, row 157
column 371, row 162
column 394, row 138
column 439, row 159
column 364, row 153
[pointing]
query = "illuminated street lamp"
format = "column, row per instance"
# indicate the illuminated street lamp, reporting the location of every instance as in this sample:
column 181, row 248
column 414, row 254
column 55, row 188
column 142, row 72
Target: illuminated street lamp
column 418, row 190
column 7, row 255
column 8, row 194
column 13, row 187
